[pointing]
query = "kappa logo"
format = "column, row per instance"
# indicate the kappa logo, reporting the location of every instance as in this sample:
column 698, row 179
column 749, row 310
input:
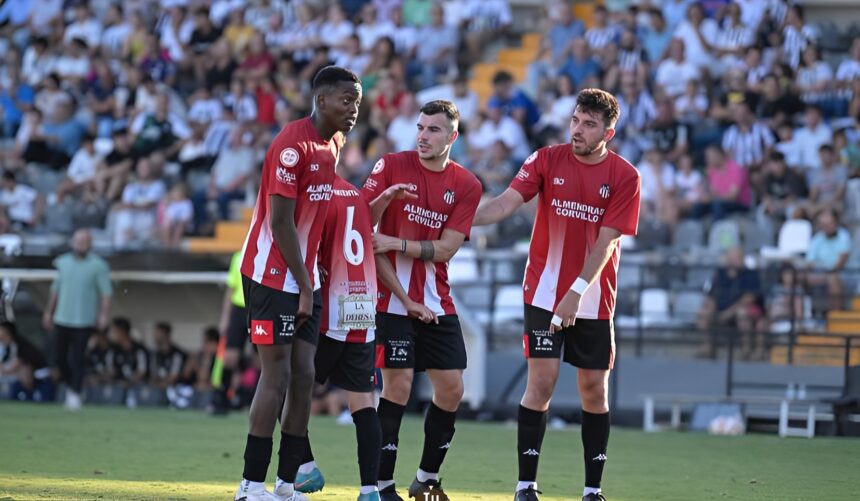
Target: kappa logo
column 289, row 157
column 600, row 457
column 446, row 445
column 390, row 447
column 448, row 197
column 558, row 181
column 260, row 330
column 377, row 168
column 604, row 190
column 531, row 452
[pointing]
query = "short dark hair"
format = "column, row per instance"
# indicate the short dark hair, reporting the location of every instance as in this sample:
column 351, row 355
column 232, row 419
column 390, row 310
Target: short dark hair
column 502, row 77
column 826, row 147
column 8, row 175
column 122, row 324
column 599, row 101
column 211, row 334
column 333, row 75
column 777, row 156
column 164, row 327
column 442, row 106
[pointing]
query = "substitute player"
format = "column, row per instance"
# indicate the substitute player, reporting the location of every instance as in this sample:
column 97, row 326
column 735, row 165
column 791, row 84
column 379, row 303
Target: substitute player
column 587, row 198
column 416, row 240
column 281, row 280
column 346, row 354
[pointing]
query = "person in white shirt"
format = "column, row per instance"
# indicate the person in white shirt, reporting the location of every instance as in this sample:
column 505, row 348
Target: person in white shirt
column 486, row 21
column 135, row 215
column 688, row 185
column 81, row 171
column 74, row 64
column 86, row 27
column 500, row 127
column 405, row 36
column 810, row 137
column 458, row 92
column 674, row 72
column 371, row 29
column 176, row 215
column 116, row 31
column 658, row 186
column 401, row 130
column 22, row 204
column 733, row 39
column 335, row 31
column 848, row 71
column 699, row 35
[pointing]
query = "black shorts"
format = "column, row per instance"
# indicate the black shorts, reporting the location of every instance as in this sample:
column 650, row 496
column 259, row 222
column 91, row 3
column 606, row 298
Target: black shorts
column 588, row 344
column 237, row 328
column 346, row 365
column 272, row 315
column 407, row 343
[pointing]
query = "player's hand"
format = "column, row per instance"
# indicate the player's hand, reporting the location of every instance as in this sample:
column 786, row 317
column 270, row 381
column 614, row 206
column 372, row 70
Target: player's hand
column 421, row 312
column 399, row 191
column 323, row 273
column 103, row 322
column 384, row 243
column 306, row 304
column 565, row 312
column 48, row 321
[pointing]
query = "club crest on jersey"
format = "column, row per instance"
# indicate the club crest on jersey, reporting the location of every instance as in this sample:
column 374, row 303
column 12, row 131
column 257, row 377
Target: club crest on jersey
column 289, row 157
column 604, row 190
column 448, row 197
column 377, row 168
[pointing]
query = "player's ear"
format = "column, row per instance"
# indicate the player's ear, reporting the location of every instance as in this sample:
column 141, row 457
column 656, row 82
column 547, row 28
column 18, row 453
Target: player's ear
column 454, row 135
column 609, row 134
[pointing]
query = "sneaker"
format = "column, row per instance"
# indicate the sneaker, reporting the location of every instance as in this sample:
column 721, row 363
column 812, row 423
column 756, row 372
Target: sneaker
column 73, row 401
column 431, row 487
column 370, row 496
column 285, row 493
column 257, row 492
column 310, row 482
column 527, row 494
column 594, row 496
column 389, row 494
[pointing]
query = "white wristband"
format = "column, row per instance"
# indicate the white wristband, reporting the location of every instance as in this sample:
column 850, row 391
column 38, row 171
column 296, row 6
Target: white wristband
column 556, row 320
column 579, row 286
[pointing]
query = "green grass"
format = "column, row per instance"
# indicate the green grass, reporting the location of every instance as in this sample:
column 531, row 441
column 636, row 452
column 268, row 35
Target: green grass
column 115, row 453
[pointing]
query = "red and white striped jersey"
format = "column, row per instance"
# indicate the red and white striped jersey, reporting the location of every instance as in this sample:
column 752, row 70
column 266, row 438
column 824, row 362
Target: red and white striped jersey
column 346, row 254
column 574, row 201
column 299, row 165
column 446, row 200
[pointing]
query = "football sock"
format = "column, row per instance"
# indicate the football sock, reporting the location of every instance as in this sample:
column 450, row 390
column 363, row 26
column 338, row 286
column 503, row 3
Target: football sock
column 308, row 463
column 258, row 452
column 531, row 427
column 595, row 437
column 390, row 416
column 290, row 456
column 438, row 432
column 368, row 436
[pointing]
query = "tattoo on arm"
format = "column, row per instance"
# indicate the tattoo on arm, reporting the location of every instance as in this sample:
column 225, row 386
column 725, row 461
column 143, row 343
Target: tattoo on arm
column 427, row 250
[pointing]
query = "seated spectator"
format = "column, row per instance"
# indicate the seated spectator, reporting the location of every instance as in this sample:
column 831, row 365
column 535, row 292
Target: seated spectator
column 658, row 187
column 666, row 133
column 601, row 34
column 689, row 185
column 22, row 205
column 457, row 91
column 127, row 359
column 788, row 147
column 85, row 27
column 112, row 171
column 167, row 360
column 827, row 184
column 699, row 35
column 734, row 301
column 810, row 137
column 97, row 370
column 495, row 169
column 691, row 107
column 777, row 105
column 401, row 129
column 553, row 47
column 512, row 101
column 827, row 255
column 80, row 175
column 499, row 127
column 55, row 141
column 23, row 367
column 161, row 130
column 657, row 37
column 484, row 21
column 135, row 213
column 747, row 141
column 786, row 300
column 727, row 189
column 815, row 83
column 674, row 72
column 176, row 216
column 580, row 65
column 197, row 373
column 557, row 118
column 784, row 189
column 848, row 71
column 732, row 39
column 16, row 99
column 336, row 30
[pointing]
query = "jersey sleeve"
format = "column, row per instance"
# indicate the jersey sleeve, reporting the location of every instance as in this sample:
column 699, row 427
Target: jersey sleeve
column 622, row 213
column 378, row 180
column 529, row 179
column 464, row 210
column 285, row 162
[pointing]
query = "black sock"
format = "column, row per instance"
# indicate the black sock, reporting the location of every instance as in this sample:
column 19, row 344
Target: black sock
column 222, row 397
column 438, row 432
column 290, row 456
column 258, row 453
column 309, row 454
column 368, row 434
column 595, row 437
column 531, row 427
column 390, row 416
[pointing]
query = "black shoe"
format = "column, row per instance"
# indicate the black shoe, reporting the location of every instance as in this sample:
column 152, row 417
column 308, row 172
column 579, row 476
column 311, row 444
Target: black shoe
column 431, row 487
column 527, row 494
column 389, row 494
column 594, row 497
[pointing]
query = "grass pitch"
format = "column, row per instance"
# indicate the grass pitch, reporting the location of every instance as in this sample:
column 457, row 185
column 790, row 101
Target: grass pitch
column 114, row 453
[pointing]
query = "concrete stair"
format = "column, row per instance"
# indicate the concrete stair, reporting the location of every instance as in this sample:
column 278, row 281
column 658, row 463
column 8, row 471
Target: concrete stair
column 229, row 236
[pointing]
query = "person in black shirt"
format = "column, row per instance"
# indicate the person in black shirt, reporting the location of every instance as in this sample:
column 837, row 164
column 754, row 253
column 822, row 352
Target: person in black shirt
column 127, row 360
column 734, row 300
column 783, row 188
column 112, row 171
column 97, row 372
column 24, row 366
column 167, row 360
column 775, row 106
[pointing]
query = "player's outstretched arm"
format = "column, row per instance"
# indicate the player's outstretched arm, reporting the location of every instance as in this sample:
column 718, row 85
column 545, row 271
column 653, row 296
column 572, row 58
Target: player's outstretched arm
column 498, row 208
column 287, row 238
column 380, row 203
column 438, row 251
column 385, row 274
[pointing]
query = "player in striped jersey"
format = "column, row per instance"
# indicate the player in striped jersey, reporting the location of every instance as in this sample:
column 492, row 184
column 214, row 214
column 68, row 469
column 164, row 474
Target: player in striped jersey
column 416, row 240
column 588, row 198
column 281, row 280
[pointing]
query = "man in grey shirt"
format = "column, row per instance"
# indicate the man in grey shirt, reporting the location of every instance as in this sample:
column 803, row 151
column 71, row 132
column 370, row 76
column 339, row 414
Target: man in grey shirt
column 79, row 303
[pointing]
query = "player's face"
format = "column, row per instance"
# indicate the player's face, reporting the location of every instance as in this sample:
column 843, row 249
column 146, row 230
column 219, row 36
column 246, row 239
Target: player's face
column 588, row 132
column 340, row 106
column 435, row 136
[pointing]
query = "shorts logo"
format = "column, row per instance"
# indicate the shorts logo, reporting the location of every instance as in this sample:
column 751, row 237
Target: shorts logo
column 604, row 190
column 543, row 340
column 531, row 158
column 284, row 176
column 377, row 168
column 288, row 326
column 558, row 181
column 448, row 197
column 289, row 157
column 262, row 332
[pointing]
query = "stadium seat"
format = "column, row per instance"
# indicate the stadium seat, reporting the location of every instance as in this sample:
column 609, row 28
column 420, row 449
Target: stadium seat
column 654, row 307
column 724, row 235
column 11, row 245
column 686, row 306
column 508, row 308
column 795, row 236
column 464, row 266
column 688, row 234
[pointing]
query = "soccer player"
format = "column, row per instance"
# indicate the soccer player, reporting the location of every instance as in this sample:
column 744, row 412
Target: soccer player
column 587, row 198
column 416, row 240
column 234, row 334
column 281, row 281
column 346, row 353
